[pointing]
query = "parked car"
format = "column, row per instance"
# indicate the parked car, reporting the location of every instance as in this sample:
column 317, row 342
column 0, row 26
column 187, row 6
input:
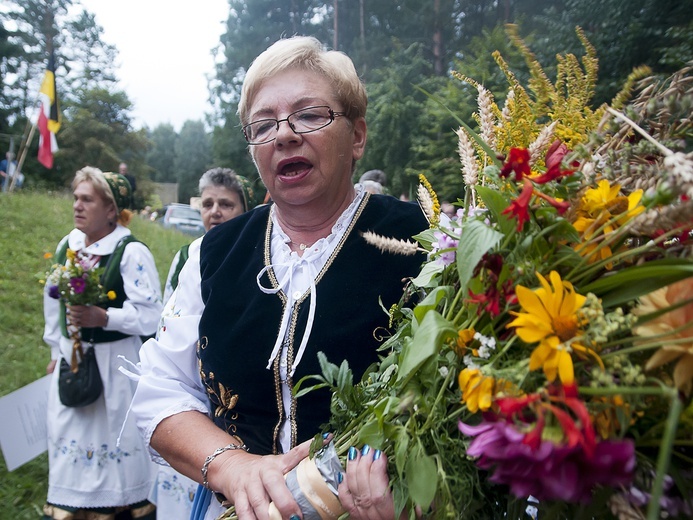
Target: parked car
column 184, row 218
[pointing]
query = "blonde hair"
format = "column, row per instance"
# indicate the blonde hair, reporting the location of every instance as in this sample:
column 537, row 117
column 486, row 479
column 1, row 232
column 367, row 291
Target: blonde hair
column 98, row 180
column 306, row 53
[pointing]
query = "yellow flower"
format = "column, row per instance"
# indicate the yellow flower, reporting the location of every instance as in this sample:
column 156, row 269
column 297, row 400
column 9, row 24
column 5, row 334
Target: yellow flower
column 676, row 324
column 477, row 389
column 602, row 210
column 47, row 256
column 71, row 255
column 550, row 318
column 111, row 295
column 464, row 338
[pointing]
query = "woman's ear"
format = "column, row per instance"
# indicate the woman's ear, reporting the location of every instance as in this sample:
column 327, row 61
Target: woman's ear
column 360, row 133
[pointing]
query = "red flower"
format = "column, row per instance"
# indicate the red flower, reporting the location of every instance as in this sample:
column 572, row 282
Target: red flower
column 562, row 207
column 488, row 301
column 518, row 162
column 554, row 158
column 519, row 208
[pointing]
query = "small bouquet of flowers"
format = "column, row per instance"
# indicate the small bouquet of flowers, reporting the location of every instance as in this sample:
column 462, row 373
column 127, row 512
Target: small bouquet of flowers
column 546, row 362
column 78, row 282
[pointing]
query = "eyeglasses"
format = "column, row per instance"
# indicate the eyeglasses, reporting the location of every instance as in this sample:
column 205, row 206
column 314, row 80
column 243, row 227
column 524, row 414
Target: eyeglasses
column 302, row 121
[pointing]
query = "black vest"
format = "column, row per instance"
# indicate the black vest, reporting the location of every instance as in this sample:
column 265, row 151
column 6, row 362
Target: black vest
column 240, row 323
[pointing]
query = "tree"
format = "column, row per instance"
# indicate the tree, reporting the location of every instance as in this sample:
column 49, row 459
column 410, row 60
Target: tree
column 394, row 116
column 98, row 132
column 161, row 158
column 193, row 158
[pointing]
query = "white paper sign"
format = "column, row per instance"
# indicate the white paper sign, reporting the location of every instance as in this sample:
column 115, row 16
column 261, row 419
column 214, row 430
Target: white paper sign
column 23, row 434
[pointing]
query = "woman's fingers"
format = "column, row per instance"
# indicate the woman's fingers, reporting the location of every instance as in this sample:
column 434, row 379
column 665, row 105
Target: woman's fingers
column 365, row 491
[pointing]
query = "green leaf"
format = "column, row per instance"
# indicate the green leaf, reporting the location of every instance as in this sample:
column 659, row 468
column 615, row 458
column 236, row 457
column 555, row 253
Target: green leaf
column 630, row 283
column 371, row 433
column 430, row 302
column 496, row 203
column 426, row 342
column 422, row 478
column 477, row 239
column 429, row 275
column 345, row 377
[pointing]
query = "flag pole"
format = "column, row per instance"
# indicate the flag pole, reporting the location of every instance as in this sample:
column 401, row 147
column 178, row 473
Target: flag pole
column 23, row 152
column 24, row 147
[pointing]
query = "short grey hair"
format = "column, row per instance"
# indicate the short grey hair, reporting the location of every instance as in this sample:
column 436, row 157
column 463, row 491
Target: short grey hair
column 306, row 53
column 224, row 177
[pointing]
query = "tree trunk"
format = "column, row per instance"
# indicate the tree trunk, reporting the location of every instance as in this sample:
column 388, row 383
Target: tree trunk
column 437, row 40
column 335, row 37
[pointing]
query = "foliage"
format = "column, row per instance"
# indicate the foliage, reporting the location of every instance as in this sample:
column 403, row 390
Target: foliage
column 192, row 153
column 161, row 157
column 548, row 351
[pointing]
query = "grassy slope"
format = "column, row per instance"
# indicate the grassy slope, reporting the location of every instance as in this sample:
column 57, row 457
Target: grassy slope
column 32, row 224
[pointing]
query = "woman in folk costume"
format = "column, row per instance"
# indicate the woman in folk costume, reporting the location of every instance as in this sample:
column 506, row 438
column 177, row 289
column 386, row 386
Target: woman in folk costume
column 98, row 464
column 263, row 294
column 223, row 195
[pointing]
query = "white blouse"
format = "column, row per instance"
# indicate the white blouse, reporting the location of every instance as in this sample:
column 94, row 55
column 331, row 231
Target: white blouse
column 169, row 378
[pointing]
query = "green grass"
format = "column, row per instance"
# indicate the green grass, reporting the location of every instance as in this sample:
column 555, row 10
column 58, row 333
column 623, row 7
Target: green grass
column 32, row 224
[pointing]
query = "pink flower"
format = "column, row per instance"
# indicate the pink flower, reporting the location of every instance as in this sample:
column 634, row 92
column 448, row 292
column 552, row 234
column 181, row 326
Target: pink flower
column 544, row 469
column 78, row 284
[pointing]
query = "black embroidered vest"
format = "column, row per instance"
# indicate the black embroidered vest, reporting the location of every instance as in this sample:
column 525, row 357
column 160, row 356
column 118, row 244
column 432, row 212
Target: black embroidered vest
column 240, row 323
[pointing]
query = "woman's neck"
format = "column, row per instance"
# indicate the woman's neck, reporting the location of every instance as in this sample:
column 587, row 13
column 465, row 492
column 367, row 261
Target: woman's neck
column 304, row 226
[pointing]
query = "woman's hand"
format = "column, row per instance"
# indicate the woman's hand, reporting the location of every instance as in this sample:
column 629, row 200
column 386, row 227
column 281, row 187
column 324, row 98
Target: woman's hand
column 251, row 482
column 87, row 316
column 51, row 366
column 365, row 489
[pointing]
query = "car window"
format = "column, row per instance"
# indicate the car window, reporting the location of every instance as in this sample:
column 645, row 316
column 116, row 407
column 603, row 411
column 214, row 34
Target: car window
column 188, row 213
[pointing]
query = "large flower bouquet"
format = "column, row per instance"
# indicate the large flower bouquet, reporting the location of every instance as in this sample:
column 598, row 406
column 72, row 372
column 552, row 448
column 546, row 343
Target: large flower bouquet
column 543, row 358
column 541, row 363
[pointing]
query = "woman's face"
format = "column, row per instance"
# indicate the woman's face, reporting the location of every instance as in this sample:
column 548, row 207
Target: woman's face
column 93, row 214
column 219, row 204
column 313, row 169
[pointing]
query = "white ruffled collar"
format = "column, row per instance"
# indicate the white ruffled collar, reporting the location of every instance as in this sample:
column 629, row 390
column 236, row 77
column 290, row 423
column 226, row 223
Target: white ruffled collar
column 76, row 241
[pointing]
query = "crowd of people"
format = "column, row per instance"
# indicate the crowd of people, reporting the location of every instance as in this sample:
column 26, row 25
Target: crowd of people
column 246, row 309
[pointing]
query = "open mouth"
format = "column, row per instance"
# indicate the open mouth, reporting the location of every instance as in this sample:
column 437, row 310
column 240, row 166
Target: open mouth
column 295, row 169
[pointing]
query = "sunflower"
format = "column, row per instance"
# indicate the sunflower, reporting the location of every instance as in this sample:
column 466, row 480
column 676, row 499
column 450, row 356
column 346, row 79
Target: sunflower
column 550, row 317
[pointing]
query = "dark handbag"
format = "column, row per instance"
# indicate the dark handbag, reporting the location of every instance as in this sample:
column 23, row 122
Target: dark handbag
column 81, row 388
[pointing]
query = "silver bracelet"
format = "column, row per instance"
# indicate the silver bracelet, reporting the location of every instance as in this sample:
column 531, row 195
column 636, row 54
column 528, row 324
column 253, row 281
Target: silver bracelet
column 217, row 452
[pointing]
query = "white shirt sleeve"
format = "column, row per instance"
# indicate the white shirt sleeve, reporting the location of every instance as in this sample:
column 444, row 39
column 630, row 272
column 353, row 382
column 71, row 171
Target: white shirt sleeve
column 142, row 308
column 169, row 380
column 51, row 316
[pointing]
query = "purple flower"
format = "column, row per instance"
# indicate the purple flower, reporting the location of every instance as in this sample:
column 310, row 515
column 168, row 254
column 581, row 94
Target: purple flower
column 552, row 471
column 78, row 285
column 444, row 241
column 54, row 292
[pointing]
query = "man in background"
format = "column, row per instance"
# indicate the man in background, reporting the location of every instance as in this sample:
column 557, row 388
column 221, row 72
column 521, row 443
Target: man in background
column 123, row 170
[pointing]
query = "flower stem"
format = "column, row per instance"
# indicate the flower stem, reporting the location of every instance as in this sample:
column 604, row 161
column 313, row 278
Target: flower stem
column 664, row 457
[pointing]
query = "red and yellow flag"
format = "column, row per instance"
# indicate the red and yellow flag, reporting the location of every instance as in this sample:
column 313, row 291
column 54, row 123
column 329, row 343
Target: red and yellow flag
column 49, row 116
